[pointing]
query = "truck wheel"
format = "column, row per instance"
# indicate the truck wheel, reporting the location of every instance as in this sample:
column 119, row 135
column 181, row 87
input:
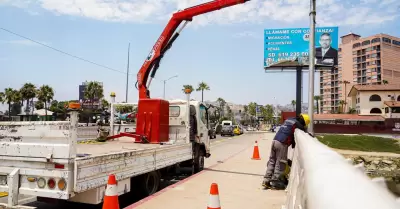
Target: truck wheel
column 199, row 162
column 149, row 183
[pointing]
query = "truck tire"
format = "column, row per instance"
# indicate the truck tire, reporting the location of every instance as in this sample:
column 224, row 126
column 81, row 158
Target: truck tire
column 148, row 183
column 199, row 161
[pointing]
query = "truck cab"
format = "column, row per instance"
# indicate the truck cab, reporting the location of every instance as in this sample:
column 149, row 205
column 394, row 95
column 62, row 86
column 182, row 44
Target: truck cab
column 177, row 122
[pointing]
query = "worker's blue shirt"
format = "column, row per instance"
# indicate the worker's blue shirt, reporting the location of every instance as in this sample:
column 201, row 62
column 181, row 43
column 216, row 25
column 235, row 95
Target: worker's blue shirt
column 285, row 134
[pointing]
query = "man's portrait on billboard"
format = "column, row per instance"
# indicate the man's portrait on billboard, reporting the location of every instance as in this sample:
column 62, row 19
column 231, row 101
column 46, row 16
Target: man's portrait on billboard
column 326, row 54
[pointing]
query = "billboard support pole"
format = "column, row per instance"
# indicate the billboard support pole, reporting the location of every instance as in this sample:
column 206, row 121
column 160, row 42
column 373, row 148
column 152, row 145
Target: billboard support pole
column 299, row 81
column 311, row 67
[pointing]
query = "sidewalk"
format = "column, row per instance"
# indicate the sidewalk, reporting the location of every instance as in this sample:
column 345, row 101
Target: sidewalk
column 238, row 177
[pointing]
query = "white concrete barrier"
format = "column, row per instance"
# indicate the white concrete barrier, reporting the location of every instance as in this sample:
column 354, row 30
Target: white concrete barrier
column 322, row 178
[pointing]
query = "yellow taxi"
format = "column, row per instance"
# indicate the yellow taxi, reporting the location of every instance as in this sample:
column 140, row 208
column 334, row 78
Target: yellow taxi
column 236, row 130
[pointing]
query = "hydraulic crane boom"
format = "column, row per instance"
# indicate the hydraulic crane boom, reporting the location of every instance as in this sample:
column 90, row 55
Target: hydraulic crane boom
column 167, row 37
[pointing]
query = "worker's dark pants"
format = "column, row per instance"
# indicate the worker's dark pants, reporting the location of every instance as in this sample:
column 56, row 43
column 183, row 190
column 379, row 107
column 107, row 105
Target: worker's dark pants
column 276, row 163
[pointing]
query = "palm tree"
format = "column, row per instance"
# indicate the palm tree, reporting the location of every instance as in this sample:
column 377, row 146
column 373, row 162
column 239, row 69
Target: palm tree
column 342, row 103
column 317, row 99
column 345, row 93
column 202, row 87
column 45, row 94
column 9, row 98
column 105, row 103
column 93, row 91
column 187, row 87
column 221, row 103
column 294, row 105
column 2, row 97
column 28, row 92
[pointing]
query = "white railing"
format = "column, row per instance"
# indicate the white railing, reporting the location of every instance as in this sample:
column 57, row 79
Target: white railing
column 322, row 179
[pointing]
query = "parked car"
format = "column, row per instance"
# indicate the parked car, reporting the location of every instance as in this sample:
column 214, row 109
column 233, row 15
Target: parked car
column 212, row 133
column 237, row 130
column 227, row 130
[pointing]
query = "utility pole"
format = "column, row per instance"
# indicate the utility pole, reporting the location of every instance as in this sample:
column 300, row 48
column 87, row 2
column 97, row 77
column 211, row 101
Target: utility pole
column 312, row 67
column 127, row 76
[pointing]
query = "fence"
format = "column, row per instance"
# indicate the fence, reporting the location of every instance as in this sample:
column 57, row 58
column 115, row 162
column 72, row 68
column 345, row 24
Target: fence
column 322, row 178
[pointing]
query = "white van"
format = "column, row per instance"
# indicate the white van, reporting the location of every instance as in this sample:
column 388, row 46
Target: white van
column 227, row 123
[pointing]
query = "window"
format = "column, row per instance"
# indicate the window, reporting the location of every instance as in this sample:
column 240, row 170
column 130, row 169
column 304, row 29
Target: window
column 395, row 109
column 203, row 114
column 375, row 111
column 398, row 98
column 396, row 42
column 356, row 45
column 174, row 111
column 386, row 110
column 387, row 40
column 367, row 42
column 376, row 40
column 374, row 98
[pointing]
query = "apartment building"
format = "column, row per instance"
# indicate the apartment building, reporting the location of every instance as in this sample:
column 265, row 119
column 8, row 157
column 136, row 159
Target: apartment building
column 372, row 60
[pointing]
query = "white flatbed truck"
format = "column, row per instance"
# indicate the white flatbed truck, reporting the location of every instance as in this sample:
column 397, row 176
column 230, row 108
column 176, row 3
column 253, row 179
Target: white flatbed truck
column 43, row 159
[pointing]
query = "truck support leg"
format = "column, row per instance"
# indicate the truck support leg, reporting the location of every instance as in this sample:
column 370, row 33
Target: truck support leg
column 13, row 185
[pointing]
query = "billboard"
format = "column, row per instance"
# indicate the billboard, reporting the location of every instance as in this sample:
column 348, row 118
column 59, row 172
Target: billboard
column 293, row 43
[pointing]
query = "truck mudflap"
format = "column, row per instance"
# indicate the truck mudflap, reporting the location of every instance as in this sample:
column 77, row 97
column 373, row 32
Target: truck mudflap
column 92, row 171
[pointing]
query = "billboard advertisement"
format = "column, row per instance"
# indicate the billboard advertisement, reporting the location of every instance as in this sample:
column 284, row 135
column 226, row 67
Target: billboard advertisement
column 293, row 43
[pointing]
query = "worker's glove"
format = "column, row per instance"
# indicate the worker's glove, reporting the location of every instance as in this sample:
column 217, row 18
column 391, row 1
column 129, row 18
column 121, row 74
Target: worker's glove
column 311, row 135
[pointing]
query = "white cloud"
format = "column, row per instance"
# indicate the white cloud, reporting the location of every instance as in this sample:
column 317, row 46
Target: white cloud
column 247, row 34
column 335, row 12
column 23, row 42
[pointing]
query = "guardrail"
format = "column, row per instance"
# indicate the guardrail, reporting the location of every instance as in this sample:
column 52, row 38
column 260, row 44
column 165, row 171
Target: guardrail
column 322, row 178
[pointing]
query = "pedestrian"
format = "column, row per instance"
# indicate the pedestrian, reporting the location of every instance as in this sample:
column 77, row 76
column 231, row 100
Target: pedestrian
column 279, row 149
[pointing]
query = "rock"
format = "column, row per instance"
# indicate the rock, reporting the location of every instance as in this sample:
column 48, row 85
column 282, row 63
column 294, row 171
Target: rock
column 371, row 167
column 376, row 162
column 389, row 162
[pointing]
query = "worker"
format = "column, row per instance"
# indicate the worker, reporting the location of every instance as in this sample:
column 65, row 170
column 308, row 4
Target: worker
column 279, row 149
column 193, row 124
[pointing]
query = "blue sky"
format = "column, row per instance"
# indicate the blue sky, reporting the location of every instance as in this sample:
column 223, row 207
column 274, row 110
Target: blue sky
column 223, row 49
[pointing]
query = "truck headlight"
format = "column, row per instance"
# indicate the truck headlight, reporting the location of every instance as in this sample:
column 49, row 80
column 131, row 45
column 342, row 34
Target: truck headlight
column 3, row 180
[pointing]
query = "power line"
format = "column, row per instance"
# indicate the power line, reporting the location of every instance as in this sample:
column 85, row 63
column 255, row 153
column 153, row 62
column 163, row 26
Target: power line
column 62, row 52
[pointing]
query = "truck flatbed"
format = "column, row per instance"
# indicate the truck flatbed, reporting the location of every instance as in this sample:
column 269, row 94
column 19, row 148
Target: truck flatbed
column 119, row 145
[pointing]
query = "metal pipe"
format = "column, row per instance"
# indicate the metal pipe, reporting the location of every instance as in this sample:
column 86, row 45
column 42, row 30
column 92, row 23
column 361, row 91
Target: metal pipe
column 311, row 67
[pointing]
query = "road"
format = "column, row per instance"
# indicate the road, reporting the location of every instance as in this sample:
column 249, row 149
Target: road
column 221, row 148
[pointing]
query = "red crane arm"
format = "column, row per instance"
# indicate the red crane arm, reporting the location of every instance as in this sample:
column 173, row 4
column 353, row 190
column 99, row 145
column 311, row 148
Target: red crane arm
column 167, row 37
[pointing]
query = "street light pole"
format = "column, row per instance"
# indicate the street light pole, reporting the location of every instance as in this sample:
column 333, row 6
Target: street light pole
column 165, row 81
column 127, row 76
column 311, row 67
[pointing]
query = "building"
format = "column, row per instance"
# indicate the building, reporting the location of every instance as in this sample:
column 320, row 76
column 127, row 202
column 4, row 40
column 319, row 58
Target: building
column 371, row 60
column 383, row 100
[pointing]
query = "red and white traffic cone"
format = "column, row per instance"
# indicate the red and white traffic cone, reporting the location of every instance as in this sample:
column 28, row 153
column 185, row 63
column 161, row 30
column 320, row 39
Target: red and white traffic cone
column 111, row 196
column 213, row 202
column 256, row 153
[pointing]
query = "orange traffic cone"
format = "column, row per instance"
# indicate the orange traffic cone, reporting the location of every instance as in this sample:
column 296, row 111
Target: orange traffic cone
column 256, row 154
column 213, row 202
column 111, row 196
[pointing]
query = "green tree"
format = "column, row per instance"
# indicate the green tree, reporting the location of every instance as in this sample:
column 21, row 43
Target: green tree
column 268, row 113
column 2, row 97
column 9, row 98
column 28, row 92
column 252, row 108
column 385, row 82
column 352, row 111
column 187, row 87
column 293, row 103
column 203, row 87
column 93, row 91
column 317, row 99
column 45, row 94
column 39, row 105
column 221, row 103
column 342, row 103
column 105, row 104
column 16, row 103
